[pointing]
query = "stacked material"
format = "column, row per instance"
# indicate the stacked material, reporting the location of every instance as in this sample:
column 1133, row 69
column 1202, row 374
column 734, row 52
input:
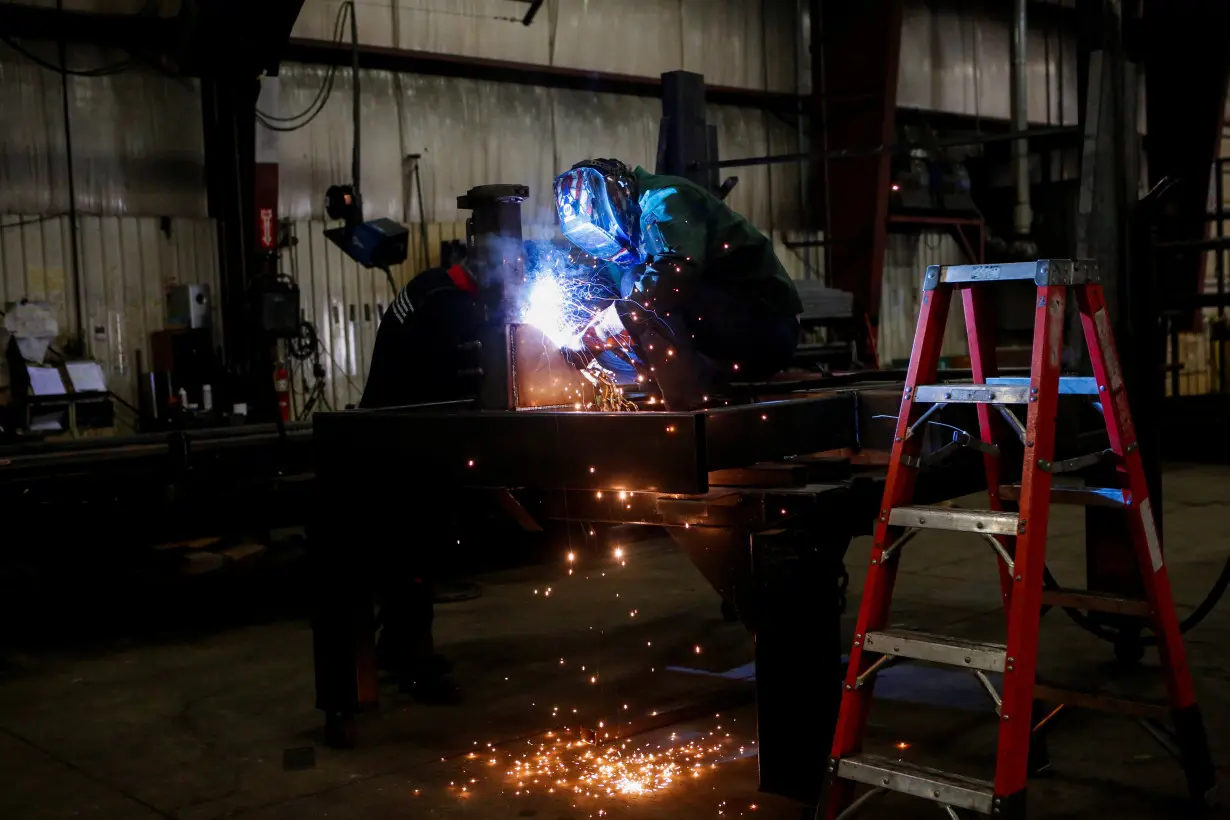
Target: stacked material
column 820, row 302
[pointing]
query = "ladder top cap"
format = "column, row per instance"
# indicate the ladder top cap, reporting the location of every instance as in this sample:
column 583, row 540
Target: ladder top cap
column 1042, row 272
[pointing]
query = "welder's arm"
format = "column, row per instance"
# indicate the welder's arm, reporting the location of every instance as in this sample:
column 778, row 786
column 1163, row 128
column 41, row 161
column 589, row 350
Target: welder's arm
column 663, row 339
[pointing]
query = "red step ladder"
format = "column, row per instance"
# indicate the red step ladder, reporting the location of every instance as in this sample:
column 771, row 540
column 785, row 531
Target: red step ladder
column 1016, row 526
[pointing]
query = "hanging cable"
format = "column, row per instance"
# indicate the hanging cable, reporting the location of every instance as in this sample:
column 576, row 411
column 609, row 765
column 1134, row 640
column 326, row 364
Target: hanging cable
column 101, row 71
column 300, row 120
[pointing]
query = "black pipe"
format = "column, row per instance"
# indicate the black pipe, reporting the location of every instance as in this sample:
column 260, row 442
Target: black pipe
column 900, row 148
column 354, row 103
column 73, row 233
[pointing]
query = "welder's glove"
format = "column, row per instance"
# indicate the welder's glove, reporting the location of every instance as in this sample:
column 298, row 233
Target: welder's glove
column 663, row 340
column 667, row 282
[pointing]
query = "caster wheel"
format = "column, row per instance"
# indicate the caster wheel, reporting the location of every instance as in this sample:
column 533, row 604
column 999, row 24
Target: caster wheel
column 341, row 731
column 730, row 613
column 1129, row 650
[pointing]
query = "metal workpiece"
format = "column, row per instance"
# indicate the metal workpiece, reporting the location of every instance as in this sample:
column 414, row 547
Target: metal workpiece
column 663, row 452
column 494, row 250
column 1043, row 273
column 741, row 435
column 652, row 451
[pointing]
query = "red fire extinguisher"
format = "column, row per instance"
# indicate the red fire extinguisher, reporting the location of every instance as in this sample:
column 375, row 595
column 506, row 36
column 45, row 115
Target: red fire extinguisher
column 281, row 386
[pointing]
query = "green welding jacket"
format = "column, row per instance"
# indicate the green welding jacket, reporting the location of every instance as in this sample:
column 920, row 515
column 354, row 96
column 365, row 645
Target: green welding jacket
column 680, row 218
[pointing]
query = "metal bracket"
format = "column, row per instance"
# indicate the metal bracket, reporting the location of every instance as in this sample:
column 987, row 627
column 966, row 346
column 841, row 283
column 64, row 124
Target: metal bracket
column 960, row 439
column 1071, row 465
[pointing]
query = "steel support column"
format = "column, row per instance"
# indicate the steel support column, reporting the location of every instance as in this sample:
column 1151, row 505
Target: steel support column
column 855, row 54
column 1185, row 89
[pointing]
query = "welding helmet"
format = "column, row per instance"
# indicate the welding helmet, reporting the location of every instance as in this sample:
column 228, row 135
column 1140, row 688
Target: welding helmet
column 599, row 211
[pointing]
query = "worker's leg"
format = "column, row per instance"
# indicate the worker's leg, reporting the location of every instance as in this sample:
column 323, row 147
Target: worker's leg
column 407, row 646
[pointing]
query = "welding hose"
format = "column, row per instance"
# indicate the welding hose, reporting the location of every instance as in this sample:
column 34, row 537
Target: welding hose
column 1113, row 635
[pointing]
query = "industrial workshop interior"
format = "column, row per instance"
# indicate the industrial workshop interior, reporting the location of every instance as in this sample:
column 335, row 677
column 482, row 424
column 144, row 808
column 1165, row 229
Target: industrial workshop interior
column 647, row 409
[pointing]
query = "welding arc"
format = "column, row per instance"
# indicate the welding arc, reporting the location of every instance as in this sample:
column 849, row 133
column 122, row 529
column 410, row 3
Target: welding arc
column 1113, row 635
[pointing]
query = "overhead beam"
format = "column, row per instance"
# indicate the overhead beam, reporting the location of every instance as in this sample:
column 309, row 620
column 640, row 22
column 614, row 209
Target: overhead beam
column 116, row 30
column 326, row 52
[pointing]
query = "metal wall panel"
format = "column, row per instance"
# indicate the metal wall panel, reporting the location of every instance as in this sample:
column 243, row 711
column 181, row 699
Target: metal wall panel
column 907, row 259
column 472, row 133
column 955, row 57
column 126, row 265
column 138, row 148
column 724, row 39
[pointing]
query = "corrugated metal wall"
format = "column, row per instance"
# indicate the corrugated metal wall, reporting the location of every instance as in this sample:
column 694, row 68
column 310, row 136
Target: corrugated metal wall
column 907, row 259
column 955, row 57
column 139, row 153
column 126, row 264
column 138, row 147
column 471, row 133
column 732, row 42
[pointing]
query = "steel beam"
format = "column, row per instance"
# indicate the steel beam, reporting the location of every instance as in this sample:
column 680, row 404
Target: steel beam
column 324, row 52
column 647, row 451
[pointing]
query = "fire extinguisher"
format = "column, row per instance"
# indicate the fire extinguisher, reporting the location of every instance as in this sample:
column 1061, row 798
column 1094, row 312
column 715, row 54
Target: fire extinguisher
column 281, row 386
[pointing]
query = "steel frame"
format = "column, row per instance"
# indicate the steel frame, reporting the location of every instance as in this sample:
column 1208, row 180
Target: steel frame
column 666, row 452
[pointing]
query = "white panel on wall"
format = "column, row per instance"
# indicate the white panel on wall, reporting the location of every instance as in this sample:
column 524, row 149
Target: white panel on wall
column 126, row 266
column 958, row 60
column 723, row 39
column 906, row 261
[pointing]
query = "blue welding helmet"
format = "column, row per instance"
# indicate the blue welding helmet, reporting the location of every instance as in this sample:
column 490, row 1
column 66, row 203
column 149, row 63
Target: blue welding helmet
column 599, row 212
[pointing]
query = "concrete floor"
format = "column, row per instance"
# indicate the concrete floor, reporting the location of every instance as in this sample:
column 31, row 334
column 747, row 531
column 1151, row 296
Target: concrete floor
column 218, row 722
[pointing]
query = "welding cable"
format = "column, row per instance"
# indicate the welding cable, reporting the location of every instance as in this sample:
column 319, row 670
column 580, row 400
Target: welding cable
column 295, row 122
column 101, row 71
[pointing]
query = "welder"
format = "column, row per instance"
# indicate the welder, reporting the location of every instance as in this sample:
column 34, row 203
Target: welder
column 702, row 291
column 425, row 352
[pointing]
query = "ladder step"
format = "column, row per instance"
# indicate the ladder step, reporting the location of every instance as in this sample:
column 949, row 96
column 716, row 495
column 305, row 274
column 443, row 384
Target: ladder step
column 950, row 789
column 1072, row 494
column 972, row 393
column 1100, row 702
column 1068, row 385
column 1095, row 602
column 942, row 649
column 955, row 520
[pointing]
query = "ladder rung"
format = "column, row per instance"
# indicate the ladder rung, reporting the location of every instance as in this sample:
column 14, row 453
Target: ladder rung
column 1099, row 702
column 923, row 646
column 1068, row 385
column 950, row 789
column 1041, row 272
column 1072, row 494
column 1095, row 602
column 972, row 393
column 955, row 520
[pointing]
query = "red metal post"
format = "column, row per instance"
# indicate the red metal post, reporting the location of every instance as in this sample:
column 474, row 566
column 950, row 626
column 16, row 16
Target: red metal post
column 855, row 55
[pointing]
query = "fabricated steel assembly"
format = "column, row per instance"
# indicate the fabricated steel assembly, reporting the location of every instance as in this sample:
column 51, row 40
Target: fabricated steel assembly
column 494, row 256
